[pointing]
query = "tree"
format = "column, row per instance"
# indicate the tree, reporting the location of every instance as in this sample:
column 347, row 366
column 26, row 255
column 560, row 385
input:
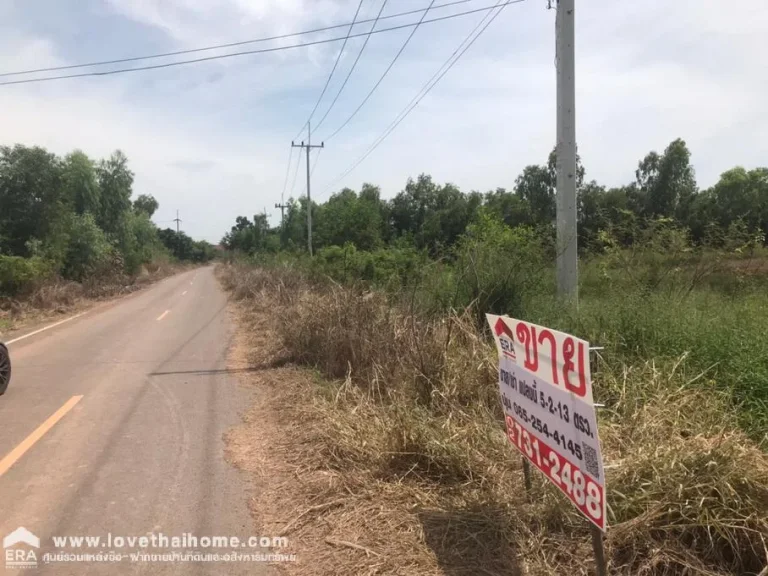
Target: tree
column 511, row 208
column 432, row 216
column 182, row 247
column 146, row 204
column 448, row 218
column 250, row 237
column 137, row 239
column 347, row 218
column 81, row 187
column 293, row 231
column 552, row 169
column 408, row 210
column 88, row 248
column 31, row 199
column 115, row 182
column 592, row 214
column 535, row 186
column 667, row 183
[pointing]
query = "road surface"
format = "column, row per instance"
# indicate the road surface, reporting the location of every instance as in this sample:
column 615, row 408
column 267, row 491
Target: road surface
column 113, row 424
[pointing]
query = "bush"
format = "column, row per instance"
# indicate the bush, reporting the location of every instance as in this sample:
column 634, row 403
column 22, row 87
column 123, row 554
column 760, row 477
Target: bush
column 20, row 276
column 138, row 241
column 391, row 268
column 88, row 250
column 497, row 267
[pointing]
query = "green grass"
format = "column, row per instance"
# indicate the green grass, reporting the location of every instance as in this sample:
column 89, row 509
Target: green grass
column 412, row 411
column 722, row 334
column 642, row 306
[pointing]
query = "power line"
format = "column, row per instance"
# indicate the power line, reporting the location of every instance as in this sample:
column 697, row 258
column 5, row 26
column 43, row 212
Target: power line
column 296, row 173
column 248, row 52
column 308, row 147
column 354, row 64
column 220, row 46
column 422, row 93
column 287, row 171
column 335, row 64
column 314, row 165
column 317, row 158
column 391, row 64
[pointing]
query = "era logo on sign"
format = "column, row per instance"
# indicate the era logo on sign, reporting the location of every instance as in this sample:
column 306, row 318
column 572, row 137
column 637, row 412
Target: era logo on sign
column 19, row 551
column 506, row 339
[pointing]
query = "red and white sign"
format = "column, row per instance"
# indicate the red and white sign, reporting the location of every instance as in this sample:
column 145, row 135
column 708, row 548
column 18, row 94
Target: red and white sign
column 546, row 393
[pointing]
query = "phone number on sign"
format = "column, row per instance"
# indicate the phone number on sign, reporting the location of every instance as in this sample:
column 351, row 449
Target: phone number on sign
column 582, row 491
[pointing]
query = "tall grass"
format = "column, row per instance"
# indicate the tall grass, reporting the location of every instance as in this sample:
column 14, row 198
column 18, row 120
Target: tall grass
column 412, row 402
column 721, row 328
column 658, row 301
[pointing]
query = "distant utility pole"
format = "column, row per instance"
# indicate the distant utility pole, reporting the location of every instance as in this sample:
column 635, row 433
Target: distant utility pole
column 308, row 146
column 282, row 212
column 178, row 221
column 567, row 256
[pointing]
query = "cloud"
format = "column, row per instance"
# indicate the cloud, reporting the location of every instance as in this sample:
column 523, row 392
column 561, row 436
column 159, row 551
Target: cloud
column 212, row 139
column 193, row 165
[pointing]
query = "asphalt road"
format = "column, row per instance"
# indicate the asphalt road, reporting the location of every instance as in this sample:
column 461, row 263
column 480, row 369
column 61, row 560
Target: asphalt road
column 142, row 451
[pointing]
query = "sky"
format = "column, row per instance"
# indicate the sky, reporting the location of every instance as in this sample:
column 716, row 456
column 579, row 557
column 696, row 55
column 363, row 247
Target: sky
column 212, row 139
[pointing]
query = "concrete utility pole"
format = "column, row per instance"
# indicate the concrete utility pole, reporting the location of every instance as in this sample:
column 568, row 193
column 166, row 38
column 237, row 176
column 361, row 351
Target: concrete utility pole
column 308, row 146
column 178, row 221
column 567, row 255
column 282, row 212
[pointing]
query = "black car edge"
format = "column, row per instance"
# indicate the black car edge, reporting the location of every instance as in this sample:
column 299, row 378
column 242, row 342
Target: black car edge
column 5, row 368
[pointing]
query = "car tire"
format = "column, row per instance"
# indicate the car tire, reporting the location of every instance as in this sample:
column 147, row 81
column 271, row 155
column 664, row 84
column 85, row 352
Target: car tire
column 5, row 369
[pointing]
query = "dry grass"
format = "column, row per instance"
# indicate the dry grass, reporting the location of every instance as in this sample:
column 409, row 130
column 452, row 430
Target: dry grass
column 63, row 297
column 396, row 463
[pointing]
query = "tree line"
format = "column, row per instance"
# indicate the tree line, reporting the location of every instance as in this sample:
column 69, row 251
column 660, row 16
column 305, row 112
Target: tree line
column 433, row 217
column 74, row 217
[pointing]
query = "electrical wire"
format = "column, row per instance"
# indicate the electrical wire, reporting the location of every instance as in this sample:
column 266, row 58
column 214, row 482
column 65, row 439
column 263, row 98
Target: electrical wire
column 424, row 91
column 296, row 173
column 335, row 65
column 375, row 86
column 354, row 64
column 220, row 46
column 312, row 169
column 314, row 165
column 287, row 171
column 248, row 52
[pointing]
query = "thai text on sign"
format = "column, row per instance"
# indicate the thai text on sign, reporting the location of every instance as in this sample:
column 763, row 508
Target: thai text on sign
column 546, row 392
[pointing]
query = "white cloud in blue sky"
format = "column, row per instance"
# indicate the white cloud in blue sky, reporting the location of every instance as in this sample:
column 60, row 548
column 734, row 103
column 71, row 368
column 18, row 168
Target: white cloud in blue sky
column 212, row 139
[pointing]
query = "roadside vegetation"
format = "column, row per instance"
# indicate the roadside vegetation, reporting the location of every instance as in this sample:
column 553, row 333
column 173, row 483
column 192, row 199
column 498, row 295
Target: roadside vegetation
column 398, row 438
column 70, row 229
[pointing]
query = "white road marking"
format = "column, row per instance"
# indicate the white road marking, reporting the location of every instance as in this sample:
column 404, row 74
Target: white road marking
column 59, row 323
column 184, row 293
column 163, row 315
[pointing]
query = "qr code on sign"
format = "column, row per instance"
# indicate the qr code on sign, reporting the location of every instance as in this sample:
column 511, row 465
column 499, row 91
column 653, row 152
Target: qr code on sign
column 590, row 459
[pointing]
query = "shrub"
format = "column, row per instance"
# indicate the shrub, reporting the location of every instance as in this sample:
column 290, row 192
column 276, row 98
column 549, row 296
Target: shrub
column 137, row 240
column 22, row 275
column 390, row 268
column 88, row 249
column 497, row 267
